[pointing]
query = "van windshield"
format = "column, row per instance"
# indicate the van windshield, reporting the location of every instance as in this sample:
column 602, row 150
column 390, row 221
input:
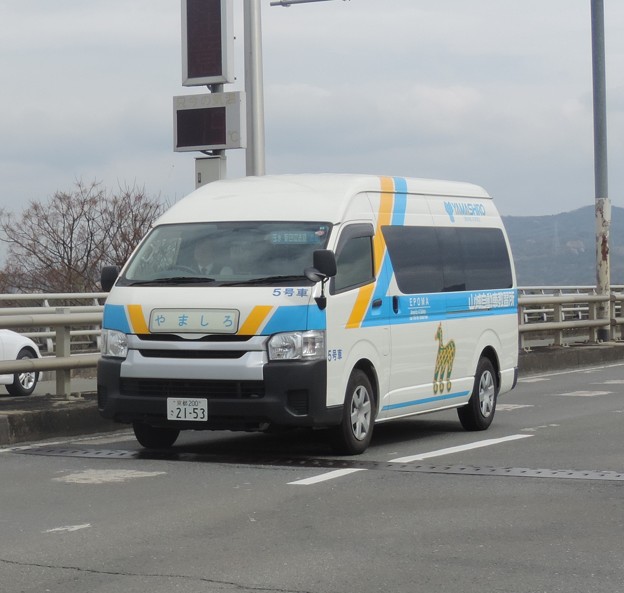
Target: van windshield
column 226, row 253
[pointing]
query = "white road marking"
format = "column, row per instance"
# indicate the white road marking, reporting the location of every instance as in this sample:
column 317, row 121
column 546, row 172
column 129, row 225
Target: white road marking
column 534, row 428
column 583, row 394
column 101, row 438
column 614, row 382
column 533, row 380
column 460, row 448
column 508, row 407
column 26, row 447
column 105, row 476
column 344, row 472
column 571, row 371
column 324, row 477
column 106, row 440
column 67, row 528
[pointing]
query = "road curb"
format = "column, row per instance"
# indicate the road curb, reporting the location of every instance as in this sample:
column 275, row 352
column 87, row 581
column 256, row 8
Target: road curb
column 554, row 358
column 53, row 417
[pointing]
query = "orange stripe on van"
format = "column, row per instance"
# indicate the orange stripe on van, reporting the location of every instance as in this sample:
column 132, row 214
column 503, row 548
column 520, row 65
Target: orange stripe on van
column 384, row 217
column 254, row 320
column 361, row 304
column 137, row 320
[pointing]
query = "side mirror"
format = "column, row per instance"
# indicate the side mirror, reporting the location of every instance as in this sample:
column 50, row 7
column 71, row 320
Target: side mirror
column 324, row 268
column 108, row 276
column 324, row 260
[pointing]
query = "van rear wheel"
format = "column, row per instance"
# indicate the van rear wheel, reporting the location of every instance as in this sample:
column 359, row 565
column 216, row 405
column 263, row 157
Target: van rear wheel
column 154, row 437
column 354, row 433
column 478, row 413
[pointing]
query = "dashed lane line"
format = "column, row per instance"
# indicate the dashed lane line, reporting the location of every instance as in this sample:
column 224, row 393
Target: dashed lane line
column 410, row 458
column 460, row 448
column 338, row 473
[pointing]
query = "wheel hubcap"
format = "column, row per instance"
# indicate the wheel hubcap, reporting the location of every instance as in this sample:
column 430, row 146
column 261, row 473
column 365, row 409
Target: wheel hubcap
column 360, row 413
column 486, row 394
column 27, row 380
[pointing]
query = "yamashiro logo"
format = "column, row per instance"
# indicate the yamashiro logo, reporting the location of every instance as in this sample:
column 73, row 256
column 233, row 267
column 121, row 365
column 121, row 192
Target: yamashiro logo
column 454, row 209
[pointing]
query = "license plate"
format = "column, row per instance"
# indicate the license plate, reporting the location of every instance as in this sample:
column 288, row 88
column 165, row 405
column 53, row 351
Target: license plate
column 193, row 410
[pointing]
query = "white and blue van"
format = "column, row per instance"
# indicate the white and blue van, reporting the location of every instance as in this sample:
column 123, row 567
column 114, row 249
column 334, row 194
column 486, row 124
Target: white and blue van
column 325, row 301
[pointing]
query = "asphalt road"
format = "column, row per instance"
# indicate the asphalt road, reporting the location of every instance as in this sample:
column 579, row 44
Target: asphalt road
column 534, row 504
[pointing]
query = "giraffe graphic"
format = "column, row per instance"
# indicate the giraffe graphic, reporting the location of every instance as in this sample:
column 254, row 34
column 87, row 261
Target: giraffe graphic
column 444, row 363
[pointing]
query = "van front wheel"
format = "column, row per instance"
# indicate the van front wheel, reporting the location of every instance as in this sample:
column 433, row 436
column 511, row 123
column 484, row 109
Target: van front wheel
column 24, row 383
column 478, row 413
column 154, row 437
column 354, row 433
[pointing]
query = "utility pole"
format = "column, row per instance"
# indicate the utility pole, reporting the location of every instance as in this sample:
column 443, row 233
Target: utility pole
column 603, row 204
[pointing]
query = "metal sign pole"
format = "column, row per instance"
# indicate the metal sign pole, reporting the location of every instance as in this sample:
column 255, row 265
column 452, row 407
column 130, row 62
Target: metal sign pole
column 254, row 89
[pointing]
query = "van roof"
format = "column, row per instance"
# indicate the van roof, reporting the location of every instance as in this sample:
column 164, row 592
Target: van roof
column 322, row 197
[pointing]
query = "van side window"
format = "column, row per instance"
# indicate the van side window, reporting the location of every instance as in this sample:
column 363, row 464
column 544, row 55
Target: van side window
column 486, row 252
column 448, row 259
column 416, row 258
column 354, row 264
column 453, row 267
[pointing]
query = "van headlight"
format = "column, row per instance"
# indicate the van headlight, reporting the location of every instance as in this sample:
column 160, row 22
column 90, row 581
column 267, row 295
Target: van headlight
column 308, row 345
column 114, row 343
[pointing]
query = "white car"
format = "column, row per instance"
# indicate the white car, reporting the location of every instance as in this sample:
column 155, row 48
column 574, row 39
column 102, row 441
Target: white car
column 14, row 346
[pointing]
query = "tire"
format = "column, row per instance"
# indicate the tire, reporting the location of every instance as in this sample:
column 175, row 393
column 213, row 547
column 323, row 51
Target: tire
column 24, row 383
column 354, row 433
column 478, row 413
column 154, row 437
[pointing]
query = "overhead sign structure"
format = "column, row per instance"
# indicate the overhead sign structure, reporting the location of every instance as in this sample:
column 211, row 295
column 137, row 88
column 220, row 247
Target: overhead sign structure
column 207, row 40
column 211, row 121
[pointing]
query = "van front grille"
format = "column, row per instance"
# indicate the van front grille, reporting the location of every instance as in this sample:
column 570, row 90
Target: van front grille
column 209, row 338
column 207, row 354
column 192, row 388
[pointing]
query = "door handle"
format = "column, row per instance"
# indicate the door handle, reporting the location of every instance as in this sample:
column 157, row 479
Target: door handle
column 395, row 304
column 377, row 303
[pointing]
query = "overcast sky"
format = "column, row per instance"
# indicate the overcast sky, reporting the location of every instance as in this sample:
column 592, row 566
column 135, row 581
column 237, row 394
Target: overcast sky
column 496, row 92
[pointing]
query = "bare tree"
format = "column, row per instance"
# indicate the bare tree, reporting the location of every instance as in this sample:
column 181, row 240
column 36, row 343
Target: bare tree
column 61, row 245
column 128, row 215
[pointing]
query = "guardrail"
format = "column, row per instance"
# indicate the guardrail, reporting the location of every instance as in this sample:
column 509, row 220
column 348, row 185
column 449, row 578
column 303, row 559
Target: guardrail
column 68, row 333
column 65, row 326
column 567, row 315
column 49, row 303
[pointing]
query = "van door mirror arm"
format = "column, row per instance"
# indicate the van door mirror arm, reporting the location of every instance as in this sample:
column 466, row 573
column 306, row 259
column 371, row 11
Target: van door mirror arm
column 321, row 301
column 315, row 276
column 324, row 268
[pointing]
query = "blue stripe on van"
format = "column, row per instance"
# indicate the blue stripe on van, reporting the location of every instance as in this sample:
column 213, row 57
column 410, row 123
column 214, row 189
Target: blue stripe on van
column 381, row 287
column 400, row 201
column 295, row 318
column 442, row 306
column 376, row 316
column 426, row 400
column 115, row 318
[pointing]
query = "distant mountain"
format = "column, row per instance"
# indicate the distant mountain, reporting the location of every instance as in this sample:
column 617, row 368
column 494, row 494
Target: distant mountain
column 560, row 249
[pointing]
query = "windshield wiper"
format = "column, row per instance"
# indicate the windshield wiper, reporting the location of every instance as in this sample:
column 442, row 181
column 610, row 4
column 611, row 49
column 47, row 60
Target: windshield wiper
column 174, row 280
column 267, row 280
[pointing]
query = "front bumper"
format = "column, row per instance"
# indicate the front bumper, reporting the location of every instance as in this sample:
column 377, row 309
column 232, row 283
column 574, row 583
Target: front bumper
column 290, row 393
